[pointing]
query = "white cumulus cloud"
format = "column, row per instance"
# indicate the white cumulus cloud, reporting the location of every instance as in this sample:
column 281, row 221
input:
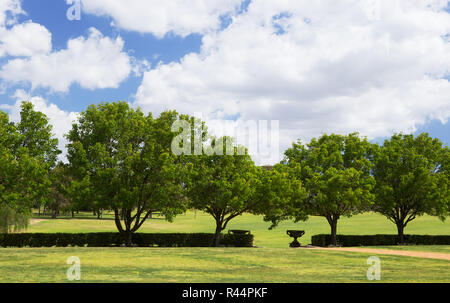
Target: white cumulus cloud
column 9, row 9
column 161, row 17
column 317, row 66
column 26, row 39
column 95, row 62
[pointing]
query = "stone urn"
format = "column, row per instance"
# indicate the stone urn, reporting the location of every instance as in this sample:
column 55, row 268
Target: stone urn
column 295, row 234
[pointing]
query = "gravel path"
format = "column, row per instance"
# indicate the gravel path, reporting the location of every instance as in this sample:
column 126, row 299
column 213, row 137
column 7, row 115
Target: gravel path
column 419, row 254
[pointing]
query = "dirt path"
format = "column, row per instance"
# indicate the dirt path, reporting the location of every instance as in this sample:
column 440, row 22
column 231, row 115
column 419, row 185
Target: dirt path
column 419, row 254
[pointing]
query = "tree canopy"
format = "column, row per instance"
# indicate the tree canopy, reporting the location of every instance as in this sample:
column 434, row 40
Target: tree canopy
column 412, row 179
column 36, row 134
column 221, row 185
column 228, row 185
column 336, row 172
column 281, row 195
column 23, row 178
column 124, row 158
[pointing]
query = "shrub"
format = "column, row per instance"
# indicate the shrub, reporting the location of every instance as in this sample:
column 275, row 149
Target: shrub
column 78, row 240
column 63, row 240
column 41, row 240
column 115, row 239
column 14, row 240
column 237, row 240
column 379, row 240
column 199, row 240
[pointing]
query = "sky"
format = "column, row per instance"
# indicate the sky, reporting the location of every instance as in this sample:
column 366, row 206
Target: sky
column 376, row 67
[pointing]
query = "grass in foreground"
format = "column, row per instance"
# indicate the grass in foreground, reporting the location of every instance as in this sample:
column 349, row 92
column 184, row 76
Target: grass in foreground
column 273, row 261
column 197, row 265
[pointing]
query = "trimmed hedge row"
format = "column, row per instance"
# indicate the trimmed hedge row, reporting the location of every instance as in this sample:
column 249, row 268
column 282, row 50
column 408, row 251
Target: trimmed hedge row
column 115, row 239
column 379, row 240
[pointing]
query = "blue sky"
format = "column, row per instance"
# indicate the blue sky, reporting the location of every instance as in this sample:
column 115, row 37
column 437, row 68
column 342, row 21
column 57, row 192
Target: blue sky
column 52, row 15
column 366, row 68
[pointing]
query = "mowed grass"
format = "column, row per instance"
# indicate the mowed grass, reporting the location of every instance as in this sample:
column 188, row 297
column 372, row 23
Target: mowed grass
column 270, row 261
column 205, row 265
column 364, row 224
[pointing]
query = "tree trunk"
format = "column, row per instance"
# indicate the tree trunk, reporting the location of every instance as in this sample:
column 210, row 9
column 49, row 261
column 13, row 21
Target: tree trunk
column 218, row 234
column 73, row 214
column 334, row 233
column 332, row 220
column 128, row 238
column 126, row 231
column 401, row 235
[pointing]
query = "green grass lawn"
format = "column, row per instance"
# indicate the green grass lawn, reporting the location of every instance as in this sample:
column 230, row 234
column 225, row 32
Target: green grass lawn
column 196, row 265
column 364, row 224
column 270, row 261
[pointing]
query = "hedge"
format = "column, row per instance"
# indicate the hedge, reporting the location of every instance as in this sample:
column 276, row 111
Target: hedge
column 379, row 240
column 115, row 239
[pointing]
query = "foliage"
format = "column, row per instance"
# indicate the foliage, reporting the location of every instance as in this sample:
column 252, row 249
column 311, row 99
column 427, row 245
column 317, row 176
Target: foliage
column 378, row 240
column 412, row 179
column 335, row 170
column 106, row 239
column 124, row 159
column 36, row 135
column 280, row 195
column 59, row 194
column 221, row 184
column 23, row 178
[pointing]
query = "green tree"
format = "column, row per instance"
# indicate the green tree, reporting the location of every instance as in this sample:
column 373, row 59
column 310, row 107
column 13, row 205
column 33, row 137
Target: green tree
column 280, row 194
column 21, row 176
column 412, row 179
column 124, row 158
column 36, row 135
column 336, row 171
column 59, row 194
column 221, row 183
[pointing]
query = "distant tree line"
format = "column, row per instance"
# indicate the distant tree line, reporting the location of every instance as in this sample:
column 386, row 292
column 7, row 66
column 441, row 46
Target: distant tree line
column 120, row 159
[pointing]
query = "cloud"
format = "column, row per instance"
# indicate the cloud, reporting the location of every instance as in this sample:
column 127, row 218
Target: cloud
column 60, row 120
column 26, row 39
column 318, row 67
column 157, row 17
column 9, row 9
column 95, row 62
